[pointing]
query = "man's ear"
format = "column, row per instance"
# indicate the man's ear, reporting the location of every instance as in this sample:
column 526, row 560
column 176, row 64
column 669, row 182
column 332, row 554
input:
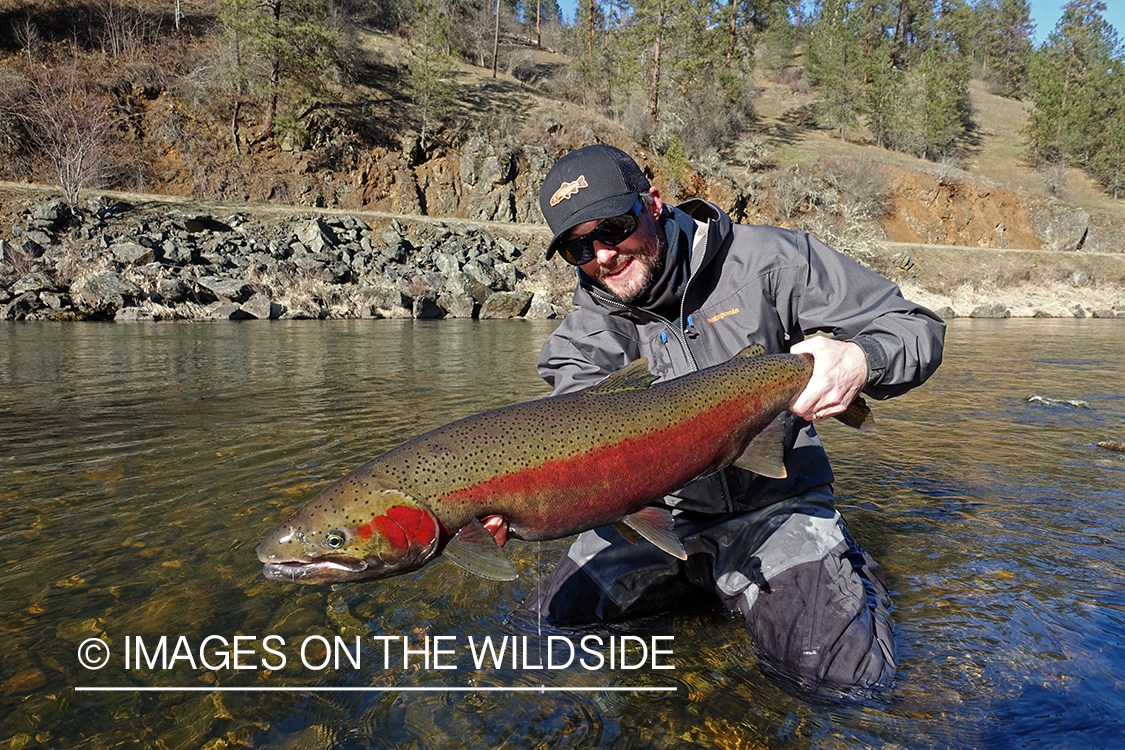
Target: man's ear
column 657, row 205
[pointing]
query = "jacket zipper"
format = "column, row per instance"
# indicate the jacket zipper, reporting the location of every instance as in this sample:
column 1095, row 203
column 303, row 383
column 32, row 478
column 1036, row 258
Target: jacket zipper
column 681, row 337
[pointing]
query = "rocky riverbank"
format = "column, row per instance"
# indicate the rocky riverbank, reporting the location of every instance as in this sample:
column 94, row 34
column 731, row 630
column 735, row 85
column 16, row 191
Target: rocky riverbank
column 120, row 262
column 168, row 261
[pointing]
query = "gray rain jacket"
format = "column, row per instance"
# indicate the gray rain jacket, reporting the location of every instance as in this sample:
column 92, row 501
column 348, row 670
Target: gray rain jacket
column 751, row 285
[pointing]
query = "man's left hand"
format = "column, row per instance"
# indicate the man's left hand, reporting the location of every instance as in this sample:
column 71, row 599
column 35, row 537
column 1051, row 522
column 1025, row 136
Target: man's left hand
column 839, row 374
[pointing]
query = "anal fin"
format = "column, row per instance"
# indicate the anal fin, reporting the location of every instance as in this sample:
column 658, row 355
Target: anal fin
column 475, row 550
column 656, row 525
column 627, row 533
column 765, row 454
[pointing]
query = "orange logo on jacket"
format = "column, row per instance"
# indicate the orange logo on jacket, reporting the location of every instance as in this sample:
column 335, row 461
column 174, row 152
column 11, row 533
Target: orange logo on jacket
column 568, row 189
column 720, row 316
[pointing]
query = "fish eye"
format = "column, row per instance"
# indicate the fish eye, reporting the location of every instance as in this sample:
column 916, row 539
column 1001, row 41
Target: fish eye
column 334, row 539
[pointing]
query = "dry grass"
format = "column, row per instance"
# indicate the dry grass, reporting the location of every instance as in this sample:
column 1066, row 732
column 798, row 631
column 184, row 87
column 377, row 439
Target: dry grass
column 994, row 150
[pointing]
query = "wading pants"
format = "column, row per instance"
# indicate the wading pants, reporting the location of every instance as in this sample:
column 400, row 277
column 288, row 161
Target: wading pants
column 815, row 604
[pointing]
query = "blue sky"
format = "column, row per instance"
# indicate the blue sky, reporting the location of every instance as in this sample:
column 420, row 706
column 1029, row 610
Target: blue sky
column 1045, row 13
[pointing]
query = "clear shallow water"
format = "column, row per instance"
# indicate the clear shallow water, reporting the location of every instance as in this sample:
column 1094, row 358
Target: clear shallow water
column 141, row 464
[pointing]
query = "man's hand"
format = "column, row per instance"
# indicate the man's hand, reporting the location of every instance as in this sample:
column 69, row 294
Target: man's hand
column 839, row 374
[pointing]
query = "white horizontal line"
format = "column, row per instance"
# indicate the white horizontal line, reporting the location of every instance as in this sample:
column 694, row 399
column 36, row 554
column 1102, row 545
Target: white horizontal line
column 262, row 689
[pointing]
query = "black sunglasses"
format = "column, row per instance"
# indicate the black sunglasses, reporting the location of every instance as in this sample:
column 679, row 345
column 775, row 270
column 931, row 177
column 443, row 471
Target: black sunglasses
column 612, row 231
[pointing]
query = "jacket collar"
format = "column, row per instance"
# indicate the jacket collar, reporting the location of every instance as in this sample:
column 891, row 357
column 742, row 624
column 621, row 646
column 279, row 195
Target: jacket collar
column 718, row 231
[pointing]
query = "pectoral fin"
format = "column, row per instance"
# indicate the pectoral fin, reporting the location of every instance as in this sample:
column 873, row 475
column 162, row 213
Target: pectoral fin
column 765, row 454
column 475, row 550
column 656, row 525
column 858, row 415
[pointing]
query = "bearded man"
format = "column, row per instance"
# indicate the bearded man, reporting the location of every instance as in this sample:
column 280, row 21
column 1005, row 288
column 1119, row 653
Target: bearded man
column 688, row 289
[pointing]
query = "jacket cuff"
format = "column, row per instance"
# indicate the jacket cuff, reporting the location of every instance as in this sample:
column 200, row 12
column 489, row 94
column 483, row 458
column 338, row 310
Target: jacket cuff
column 876, row 358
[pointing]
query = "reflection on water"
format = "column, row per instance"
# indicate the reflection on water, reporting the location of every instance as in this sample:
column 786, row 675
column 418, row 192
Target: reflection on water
column 141, row 464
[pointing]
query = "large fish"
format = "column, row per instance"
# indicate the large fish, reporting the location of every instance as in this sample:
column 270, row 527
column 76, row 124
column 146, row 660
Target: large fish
column 550, row 468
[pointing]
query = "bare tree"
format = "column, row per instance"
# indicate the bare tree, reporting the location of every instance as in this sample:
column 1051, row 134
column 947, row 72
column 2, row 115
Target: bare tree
column 71, row 132
column 27, row 35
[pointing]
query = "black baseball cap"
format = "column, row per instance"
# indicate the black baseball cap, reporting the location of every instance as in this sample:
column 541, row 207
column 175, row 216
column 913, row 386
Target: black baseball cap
column 592, row 182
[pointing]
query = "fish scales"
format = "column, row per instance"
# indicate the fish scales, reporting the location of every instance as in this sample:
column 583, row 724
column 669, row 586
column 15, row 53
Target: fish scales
column 585, row 458
column 550, row 468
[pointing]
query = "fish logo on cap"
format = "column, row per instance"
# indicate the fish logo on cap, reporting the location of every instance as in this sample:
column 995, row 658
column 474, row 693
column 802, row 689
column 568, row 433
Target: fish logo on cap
column 568, row 189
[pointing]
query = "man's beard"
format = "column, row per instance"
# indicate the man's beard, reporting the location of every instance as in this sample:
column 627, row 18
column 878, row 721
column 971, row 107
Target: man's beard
column 653, row 266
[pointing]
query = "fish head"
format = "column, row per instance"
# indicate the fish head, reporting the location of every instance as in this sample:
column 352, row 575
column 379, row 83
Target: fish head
column 351, row 532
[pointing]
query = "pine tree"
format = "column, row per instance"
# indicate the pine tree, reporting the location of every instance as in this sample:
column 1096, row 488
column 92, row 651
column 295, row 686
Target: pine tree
column 1011, row 46
column 832, row 60
column 938, row 104
column 883, row 96
column 286, row 45
column 431, row 74
column 1063, row 77
column 1108, row 161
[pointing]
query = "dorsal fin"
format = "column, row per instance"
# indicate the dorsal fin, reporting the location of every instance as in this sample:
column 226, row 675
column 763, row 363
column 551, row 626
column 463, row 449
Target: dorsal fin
column 632, row 377
column 754, row 350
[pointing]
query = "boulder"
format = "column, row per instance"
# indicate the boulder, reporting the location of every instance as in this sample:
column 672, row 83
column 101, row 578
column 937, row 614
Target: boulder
column 132, row 254
column 172, row 290
column 482, row 274
column 225, row 311
column 177, row 253
column 317, row 236
column 381, row 298
column 994, row 310
column 39, row 237
column 32, row 282
column 506, row 276
column 20, row 307
column 426, row 306
column 260, row 306
column 133, row 315
column 232, row 290
column 199, row 222
column 541, row 309
column 505, row 305
column 52, row 215
column 1057, row 225
column 457, row 305
column 103, row 295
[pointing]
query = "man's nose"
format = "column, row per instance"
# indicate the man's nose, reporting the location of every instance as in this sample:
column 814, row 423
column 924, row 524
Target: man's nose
column 605, row 254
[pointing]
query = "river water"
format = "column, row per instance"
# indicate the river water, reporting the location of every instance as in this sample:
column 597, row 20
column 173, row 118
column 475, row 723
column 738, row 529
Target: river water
column 141, row 464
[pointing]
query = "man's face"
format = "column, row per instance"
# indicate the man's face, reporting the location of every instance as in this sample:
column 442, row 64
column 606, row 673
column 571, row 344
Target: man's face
column 629, row 269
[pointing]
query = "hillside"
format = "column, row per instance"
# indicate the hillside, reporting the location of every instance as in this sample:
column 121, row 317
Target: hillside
column 1017, row 244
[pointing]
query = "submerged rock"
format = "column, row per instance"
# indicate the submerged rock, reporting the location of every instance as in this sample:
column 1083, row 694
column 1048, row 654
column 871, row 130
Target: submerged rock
column 1071, row 403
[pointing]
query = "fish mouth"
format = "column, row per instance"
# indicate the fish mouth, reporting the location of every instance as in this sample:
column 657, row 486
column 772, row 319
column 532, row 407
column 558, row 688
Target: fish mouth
column 324, row 570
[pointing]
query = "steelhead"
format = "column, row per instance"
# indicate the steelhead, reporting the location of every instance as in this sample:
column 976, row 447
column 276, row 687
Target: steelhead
column 550, row 468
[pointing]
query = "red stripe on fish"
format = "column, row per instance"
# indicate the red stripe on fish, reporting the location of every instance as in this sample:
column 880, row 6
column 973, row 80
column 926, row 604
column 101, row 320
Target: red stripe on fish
column 590, row 474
